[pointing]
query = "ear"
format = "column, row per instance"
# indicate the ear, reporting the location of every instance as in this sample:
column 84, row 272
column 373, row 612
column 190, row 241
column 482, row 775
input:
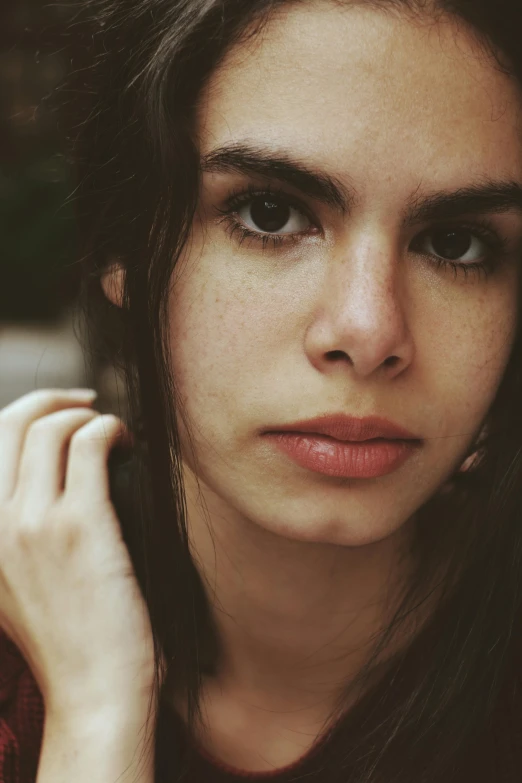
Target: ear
column 112, row 282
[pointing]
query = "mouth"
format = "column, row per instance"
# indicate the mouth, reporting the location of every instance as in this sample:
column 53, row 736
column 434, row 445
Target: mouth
column 338, row 440
column 344, row 428
column 366, row 454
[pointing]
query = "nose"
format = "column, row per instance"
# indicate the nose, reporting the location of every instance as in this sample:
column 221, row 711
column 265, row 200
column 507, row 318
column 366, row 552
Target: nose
column 362, row 315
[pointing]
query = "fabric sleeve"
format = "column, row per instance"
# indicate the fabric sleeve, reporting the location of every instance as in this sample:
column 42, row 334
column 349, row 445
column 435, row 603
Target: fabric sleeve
column 21, row 717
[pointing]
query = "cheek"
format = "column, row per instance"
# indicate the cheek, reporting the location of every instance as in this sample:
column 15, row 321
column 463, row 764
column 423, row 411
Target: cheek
column 219, row 336
column 473, row 347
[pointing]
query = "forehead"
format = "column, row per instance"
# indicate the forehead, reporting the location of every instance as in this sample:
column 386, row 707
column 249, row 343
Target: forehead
column 370, row 96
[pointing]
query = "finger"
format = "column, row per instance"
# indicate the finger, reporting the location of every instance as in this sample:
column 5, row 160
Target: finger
column 87, row 475
column 41, row 475
column 15, row 420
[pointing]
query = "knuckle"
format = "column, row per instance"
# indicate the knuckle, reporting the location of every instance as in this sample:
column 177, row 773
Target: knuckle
column 42, row 394
column 39, row 427
column 24, row 514
column 86, row 437
column 57, row 528
column 10, row 415
column 95, row 431
column 47, row 395
column 70, row 524
column 68, row 518
column 55, row 424
column 16, row 412
column 113, row 422
column 111, row 419
column 27, row 534
column 7, row 422
column 8, row 409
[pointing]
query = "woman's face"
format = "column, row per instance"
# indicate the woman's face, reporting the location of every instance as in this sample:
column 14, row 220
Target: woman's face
column 383, row 282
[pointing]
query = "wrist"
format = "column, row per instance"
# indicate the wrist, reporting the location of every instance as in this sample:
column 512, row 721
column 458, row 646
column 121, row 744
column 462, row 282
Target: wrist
column 91, row 700
column 108, row 744
column 111, row 718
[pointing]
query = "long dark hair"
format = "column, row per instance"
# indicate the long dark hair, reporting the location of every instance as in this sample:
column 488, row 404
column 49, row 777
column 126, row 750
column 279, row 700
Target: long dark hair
column 136, row 71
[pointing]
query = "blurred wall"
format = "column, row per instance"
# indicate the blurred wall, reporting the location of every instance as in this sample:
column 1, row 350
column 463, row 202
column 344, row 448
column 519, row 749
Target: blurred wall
column 38, row 279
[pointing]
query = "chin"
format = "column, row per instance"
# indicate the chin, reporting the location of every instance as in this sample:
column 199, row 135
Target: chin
column 358, row 528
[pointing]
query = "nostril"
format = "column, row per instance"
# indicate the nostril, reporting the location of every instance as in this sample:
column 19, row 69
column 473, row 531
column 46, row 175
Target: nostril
column 335, row 355
column 391, row 361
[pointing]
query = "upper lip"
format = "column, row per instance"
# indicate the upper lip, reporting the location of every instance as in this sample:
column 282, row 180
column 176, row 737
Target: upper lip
column 349, row 428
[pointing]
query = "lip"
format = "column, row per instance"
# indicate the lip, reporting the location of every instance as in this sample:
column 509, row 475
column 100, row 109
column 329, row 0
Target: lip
column 348, row 428
column 346, row 447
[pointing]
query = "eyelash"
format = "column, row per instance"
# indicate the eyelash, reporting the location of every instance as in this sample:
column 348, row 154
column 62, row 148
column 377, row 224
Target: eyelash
column 480, row 228
column 243, row 196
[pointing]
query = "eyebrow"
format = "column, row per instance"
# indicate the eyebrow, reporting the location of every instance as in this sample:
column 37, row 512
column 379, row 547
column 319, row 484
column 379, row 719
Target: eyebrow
column 281, row 166
column 487, row 196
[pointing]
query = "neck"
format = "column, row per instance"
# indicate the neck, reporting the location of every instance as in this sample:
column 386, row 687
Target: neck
column 295, row 618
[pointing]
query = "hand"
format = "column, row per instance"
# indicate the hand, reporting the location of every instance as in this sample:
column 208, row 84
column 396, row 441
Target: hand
column 68, row 595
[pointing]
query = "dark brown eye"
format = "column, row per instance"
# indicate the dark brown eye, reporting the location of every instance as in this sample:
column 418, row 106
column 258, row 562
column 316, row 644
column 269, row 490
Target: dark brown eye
column 453, row 244
column 270, row 215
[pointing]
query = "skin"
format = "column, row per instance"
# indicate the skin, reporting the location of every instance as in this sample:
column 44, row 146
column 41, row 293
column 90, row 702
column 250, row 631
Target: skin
column 65, row 579
column 299, row 565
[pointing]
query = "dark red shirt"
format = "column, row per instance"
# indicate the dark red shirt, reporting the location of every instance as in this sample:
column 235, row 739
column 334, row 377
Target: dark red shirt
column 496, row 759
column 496, row 756
column 21, row 717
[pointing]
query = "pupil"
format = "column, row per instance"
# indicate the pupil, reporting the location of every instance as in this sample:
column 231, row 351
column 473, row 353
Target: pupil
column 270, row 216
column 452, row 244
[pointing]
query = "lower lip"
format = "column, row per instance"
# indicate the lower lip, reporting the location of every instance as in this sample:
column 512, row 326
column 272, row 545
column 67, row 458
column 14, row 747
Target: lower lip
column 363, row 459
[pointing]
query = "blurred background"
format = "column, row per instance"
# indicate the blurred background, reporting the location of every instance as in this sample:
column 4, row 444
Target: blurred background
column 38, row 276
